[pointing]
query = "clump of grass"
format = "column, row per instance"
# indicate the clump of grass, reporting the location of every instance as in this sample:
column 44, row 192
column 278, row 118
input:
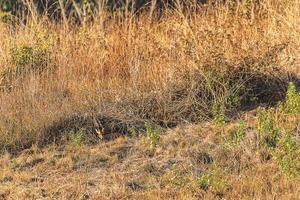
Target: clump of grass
column 180, row 177
column 240, row 133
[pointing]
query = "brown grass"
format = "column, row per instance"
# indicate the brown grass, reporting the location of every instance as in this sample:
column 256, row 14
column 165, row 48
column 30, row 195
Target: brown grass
column 112, row 75
column 167, row 72
column 129, row 168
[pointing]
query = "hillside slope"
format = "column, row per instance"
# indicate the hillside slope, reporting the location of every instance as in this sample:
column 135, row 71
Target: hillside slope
column 182, row 104
column 205, row 161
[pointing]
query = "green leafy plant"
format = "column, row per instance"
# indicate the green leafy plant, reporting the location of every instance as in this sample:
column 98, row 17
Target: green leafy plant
column 78, row 138
column 285, row 146
column 218, row 112
column 292, row 103
column 25, row 59
column 267, row 127
column 153, row 134
column 21, row 56
column 288, row 155
column 240, row 133
column 237, row 135
column 133, row 132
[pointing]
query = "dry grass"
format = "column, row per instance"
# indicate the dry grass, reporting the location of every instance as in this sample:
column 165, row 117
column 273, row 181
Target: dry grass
column 129, row 168
column 111, row 76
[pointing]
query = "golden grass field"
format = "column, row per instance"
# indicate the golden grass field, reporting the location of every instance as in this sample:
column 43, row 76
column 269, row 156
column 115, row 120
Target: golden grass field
column 194, row 104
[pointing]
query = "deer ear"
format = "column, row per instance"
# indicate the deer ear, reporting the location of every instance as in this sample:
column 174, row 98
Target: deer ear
column 99, row 134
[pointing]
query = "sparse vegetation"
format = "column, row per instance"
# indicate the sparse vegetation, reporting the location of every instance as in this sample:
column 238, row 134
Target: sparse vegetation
column 287, row 155
column 267, row 127
column 195, row 100
column 218, row 114
column 282, row 138
column 215, row 180
column 292, row 100
column 78, row 138
column 25, row 60
column 153, row 134
column 236, row 135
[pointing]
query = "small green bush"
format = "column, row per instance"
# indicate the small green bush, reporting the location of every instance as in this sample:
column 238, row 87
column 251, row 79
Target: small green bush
column 25, row 59
column 267, row 127
column 237, row 135
column 285, row 148
column 288, row 155
column 153, row 134
column 78, row 138
column 21, row 57
column 292, row 100
column 218, row 112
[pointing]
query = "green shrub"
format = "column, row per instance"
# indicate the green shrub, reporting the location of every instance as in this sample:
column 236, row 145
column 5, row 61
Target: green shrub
column 267, row 127
column 237, row 135
column 78, row 138
column 218, row 112
column 153, row 134
column 24, row 60
column 21, row 57
column 288, row 155
column 285, row 146
column 292, row 100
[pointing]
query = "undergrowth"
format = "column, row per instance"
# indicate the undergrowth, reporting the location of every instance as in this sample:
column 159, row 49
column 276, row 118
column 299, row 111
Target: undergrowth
column 187, row 101
column 112, row 75
column 278, row 128
column 26, row 60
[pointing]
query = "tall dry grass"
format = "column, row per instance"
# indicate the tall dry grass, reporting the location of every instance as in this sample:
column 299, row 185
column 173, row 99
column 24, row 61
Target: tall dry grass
column 166, row 71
